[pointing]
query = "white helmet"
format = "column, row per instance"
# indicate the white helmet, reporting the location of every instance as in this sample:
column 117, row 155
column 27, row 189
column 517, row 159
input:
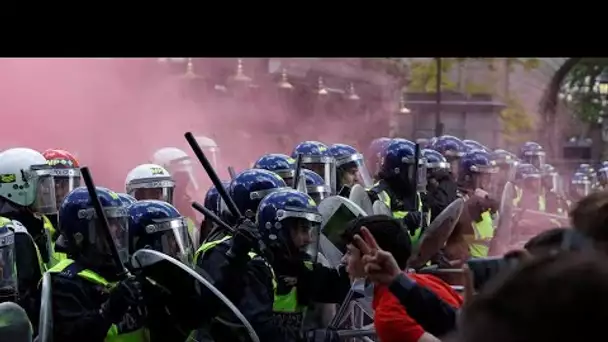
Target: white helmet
column 27, row 180
column 150, row 182
column 175, row 160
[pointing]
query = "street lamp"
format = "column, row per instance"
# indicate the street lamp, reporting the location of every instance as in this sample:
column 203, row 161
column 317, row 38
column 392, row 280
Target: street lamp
column 602, row 81
column 284, row 83
column 352, row 95
column 402, row 108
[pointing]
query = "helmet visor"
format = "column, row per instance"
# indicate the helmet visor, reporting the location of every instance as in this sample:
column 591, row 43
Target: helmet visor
column 323, row 166
column 169, row 237
column 45, row 202
column 66, row 180
column 161, row 190
column 8, row 266
column 118, row 222
column 354, row 171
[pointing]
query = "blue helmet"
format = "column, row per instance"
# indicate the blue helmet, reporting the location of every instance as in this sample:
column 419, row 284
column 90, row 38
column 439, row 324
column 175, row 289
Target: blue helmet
column 374, row 154
column 283, row 210
column 349, row 160
column 580, row 185
column 315, row 186
column 249, row 187
column 126, row 199
column 281, row 164
column 526, row 171
column 473, row 165
column 212, row 198
column 316, row 157
column 80, row 228
column 434, row 159
column 449, row 146
column 475, row 145
column 159, row 226
column 532, row 153
column 398, row 158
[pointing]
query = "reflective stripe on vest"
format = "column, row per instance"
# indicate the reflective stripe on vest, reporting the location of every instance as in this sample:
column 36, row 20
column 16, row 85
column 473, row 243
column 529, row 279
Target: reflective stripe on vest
column 484, row 232
column 92, row 277
column 56, row 257
column 20, row 229
column 541, row 200
column 401, row 214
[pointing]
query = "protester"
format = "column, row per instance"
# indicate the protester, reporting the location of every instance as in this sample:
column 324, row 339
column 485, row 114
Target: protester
column 394, row 321
column 590, row 217
column 559, row 297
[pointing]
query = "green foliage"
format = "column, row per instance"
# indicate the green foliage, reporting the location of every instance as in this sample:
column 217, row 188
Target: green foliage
column 516, row 122
column 423, row 75
column 584, row 101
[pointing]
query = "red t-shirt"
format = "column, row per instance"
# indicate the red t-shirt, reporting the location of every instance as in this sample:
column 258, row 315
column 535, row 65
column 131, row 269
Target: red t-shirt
column 392, row 322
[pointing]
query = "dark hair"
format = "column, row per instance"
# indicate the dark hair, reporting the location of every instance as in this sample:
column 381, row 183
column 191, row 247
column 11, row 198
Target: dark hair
column 590, row 217
column 557, row 239
column 560, row 297
column 389, row 233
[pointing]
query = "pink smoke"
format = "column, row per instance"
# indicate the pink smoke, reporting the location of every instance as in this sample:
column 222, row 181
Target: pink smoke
column 114, row 113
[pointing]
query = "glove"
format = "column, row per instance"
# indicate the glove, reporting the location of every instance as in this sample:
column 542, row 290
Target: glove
column 322, row 335
column 126, row 294
column 246, row 239
column 413, row 220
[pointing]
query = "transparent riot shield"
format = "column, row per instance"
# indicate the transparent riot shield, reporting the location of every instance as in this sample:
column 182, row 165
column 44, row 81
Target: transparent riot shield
column 45, row 324
column 380, row 208
column 436, row 235
column 180, row 290
column 336, row 212
column 359, row 196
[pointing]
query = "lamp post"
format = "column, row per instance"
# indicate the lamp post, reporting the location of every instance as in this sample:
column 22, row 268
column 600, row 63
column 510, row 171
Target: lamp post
column 602, row 83
column 438, row 123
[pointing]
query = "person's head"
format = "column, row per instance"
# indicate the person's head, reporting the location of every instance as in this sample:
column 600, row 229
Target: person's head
column 249, row 187
column 281, row 164
column 477, row 168
column 159, row 226
column 528, row 177
column 351, row 168
column 561, row 297
column 83, row 234
column 557, row 240
column 66, row 172
column 150, row 182
column 590, row 217
column 27, row 181
column 388, row 232
column 316, row 157
column 289, row 222
column 315, row 185
column 14, row 323
column 398, row 165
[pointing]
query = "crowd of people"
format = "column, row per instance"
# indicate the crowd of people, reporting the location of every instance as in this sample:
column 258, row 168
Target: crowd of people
column 139, row 267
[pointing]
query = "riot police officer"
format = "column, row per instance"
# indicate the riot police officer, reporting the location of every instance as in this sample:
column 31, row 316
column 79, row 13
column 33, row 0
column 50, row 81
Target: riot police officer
column 9, row 282
column 452, row 149
column 90, row 301
column 580, row 186
column 506, row 163
column 27, row 193
column 126, row 199
column 532, row 153
column 315, row 186
column 476, row 170
column 397, row 187
column 441, row 187
column 212, row 202
column 281, row 164
column 273, row 290
column 373, row 155
column 316, row 157
column 555, row 202
column 475, row 145
column 350, row 167
column 153, row 182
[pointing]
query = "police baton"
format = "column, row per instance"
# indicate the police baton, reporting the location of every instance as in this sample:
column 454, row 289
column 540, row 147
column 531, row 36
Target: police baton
column 210, row 215
column 415, row 176
column 101, row 216
column 213, row 175
column 297, row 171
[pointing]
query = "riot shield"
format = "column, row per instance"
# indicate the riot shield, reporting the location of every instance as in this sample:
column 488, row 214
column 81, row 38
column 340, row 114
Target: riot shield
column 336, row 212
column 502, row 236
column 436, row 235
column 45, row 325
column 359, row 196
column 179, row 289
column 380, row 208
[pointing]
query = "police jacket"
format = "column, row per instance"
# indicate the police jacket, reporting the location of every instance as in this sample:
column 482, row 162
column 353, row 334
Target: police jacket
column 441, row 194
column 253, row 287
column 77, row 295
